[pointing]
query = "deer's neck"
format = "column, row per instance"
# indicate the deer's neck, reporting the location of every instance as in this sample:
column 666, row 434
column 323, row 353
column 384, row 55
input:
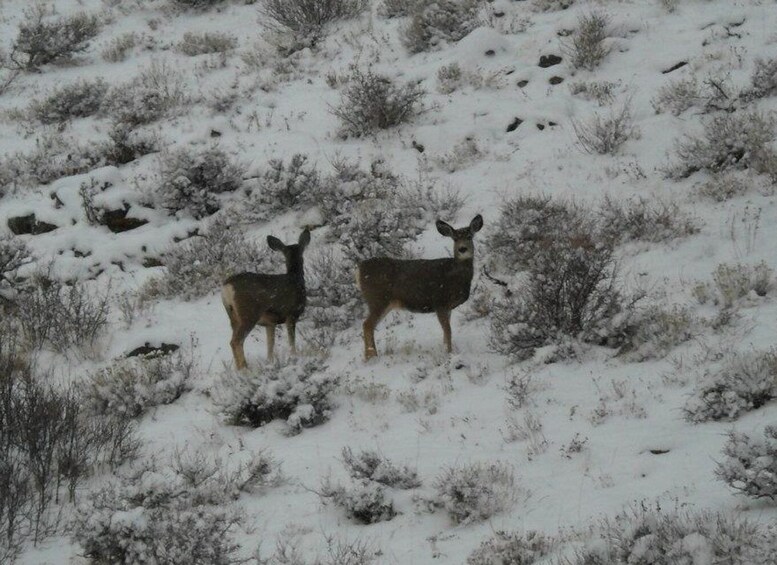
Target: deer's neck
column 296, row 271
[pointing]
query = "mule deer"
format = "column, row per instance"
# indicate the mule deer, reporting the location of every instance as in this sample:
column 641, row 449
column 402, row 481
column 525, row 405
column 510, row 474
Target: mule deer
column 267, row 300
column 419, row 285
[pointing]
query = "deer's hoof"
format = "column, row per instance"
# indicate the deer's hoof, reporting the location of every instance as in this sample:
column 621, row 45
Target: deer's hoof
column 370, row 354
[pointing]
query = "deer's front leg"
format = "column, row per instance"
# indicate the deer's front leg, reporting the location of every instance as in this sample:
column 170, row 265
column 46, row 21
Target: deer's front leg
column 291, row 329
column 270, row 341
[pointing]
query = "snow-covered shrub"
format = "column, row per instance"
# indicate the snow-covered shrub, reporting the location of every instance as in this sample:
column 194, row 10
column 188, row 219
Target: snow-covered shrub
column 162, row 517
column 670, row 5
column 638, row 219
column 150, row 96
column 132, row 386
column 433, row 23
column 370, row 465
column 463, row 154
column 199, row 265
column 194, row 44
column 126, row 144
column 397, row 8
column 284, row 186
column 731, row 283
column 202, row 4
column 42, row 40
column 600, row 91
column 763, row 81
column 587, row 49
column 677, row 96
column 305, row 20
column 372, row 102
column 654, row 332
column 476, row 492
column 119, row 47
column 551, row 5
column 751, row 463
column 745, row 382
column 79, row 99
column 725, row 186
column 193, row 178
column 13, row 254
column 63, row 317
column 299, row 393
column 364, row 502
column 645, row 535
column 738, row 140
column 449, row 78
column 512, row 548
column 604, row 134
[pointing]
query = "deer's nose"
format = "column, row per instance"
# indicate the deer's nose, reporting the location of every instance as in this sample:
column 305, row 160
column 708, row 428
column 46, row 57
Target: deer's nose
column 463, row 249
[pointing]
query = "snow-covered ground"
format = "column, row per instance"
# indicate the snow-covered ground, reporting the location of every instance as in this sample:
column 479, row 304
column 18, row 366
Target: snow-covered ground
column 636, row 444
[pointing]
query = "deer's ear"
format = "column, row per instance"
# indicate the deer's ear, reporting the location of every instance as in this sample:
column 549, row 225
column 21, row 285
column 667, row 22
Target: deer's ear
column 444, row 229
column 476, row 224
column 275, row 243
column 304, row 238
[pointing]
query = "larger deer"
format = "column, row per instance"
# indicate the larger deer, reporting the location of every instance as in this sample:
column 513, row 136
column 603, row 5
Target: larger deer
column 419, row 285
column 267, row 300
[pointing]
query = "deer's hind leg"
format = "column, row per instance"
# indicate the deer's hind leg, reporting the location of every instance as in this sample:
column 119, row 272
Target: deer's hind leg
column 270, row 341
column 240, row 332
column 291, row 329
column 444, row 316
column 373, row 319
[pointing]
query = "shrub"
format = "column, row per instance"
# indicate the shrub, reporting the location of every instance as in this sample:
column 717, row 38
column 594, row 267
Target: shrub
column 449, row 78
column 724, row 186
column 512, row 548
column 13, row 254
column 299, row 393
column 41, row 41
column 80, row 99
column 282, row 187
column 587, row 49
column 202, row 4
column 194, row 44
column 372, row 102
column 738, row 140
column 677, row 96
column 605, row 134
column 745, row 382
column 192, row 179
column 372, row 466
column 603, row 92
column 126, row 144
column 732, row 283
column 476, row 492
column 150, row 96
column 658, row 536
column 163, row 517
column 305, row 20
column 63, row 317
column 751, row 463
column 763, row 81
column 551, row 5
column 654, row 332
column 199, row 265
column 637, row 219
column 365, row 503
column 130, row 387
column 119, row 47
column 433, row 23
column 397, row 8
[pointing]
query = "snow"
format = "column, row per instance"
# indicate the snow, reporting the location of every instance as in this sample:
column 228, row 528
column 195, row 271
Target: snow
column 461, row 413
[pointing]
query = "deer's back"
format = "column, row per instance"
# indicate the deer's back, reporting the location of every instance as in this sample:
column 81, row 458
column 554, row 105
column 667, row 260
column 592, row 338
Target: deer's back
column 417, row 285
column 267, row 297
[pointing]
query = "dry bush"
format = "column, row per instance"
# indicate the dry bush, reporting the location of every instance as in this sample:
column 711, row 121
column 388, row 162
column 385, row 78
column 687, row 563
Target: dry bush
column 433, row 24
column 638, row 219
column 653, row 332
column 677, row 96
column 604, row 134
column 602, row 92
column 194, row 44
column 763, row 81
column 372, row 102
column 154, row 94
column 751, row 463
column 512, row 548
column 731, row 283
column 119, row 47
column 551, row 5
column 397, row 8
column 198, row 4
column 725, row 186
column 79, row 99
column 372, row 466
column 306, row 20
column 366, row 503
column 476, row 492
column 587, row 49
column 13, row 254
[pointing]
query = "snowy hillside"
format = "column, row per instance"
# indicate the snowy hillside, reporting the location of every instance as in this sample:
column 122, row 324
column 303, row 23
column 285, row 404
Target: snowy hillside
column 612, row 392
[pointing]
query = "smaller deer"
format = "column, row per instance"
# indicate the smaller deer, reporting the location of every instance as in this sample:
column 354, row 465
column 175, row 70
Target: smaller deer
column 267, row 300
column 419, row 285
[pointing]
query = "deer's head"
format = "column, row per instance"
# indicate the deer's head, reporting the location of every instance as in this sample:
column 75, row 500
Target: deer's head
column 292, row 253
column 463, row 246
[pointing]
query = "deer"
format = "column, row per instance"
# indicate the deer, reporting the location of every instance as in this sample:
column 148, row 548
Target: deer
column 267, row 300
column 419, row 285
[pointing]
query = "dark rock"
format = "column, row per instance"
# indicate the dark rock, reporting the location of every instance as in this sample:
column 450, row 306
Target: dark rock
column 674, row 67
column 417, row 146
column 117, row 220
column 659, row 451
column 540, row 127
column 151, row 262
column 215, row 133
column 148, row 349
column 549, row 61
column 514, row 124
column 556, row 80
column 20, row 225
column 522, row 83
column 490, row 53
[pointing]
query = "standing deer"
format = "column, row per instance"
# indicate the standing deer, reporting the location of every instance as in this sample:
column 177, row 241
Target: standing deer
column 419, row 285
column 267, row 300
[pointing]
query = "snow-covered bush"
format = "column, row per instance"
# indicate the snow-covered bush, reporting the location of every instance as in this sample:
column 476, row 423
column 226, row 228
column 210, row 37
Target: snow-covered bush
column 449, row 78
column 284, row 186
column 194, row 44
column 202, row 4
column 306, row 20
column 645, row 535
column 604, row 134
column 397, row 8
column 476, row 492
column 130, row 387
column 638, row 219
column 551, row 5
column 63, row 317
column 42, row 40
column 372, row 102
column 600, row 91
column 126, row 144
column 434, row 22
column 154, row 94
column 751, row 463
column 370, row 465
column 512, row 548
column 199, row 265
column 655, row 331
column 587, row 49
column 677, row 96
column 192, row 179
column 731, row 283
column 725, row 186
column 79, row 99
column 738, row 140
column 364, row 502
column 745, row 382
column 164, row 517
column 13, row 254
column 763, row 81
column 299, row 393
column 119, row 47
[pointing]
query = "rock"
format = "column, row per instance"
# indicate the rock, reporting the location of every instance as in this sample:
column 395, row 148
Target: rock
column 549, row 61
column 674, row 67
column 522, row 83
column 151, row 262
column 117, row 220
column 490, row 53
column 556, row 80
column 514, row 124
column 417, row 146
column 21, row 225
column 148, row 349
